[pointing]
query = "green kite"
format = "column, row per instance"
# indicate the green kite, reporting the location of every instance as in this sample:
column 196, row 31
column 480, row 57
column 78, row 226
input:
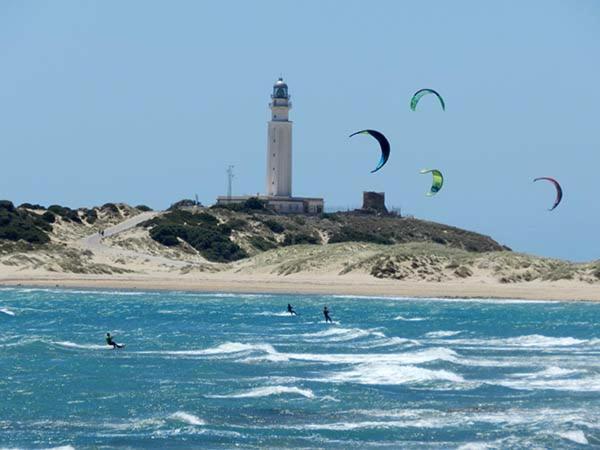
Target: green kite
column 438, row 181
column 423, row 92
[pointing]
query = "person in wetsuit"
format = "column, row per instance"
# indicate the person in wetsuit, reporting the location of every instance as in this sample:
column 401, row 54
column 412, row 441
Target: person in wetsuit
column 326, row 314
column 291, row 310
column 109, row 341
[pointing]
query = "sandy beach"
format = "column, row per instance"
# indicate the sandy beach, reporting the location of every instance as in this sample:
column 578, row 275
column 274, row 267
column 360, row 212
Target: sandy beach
column 125, row 257
column 355, row 284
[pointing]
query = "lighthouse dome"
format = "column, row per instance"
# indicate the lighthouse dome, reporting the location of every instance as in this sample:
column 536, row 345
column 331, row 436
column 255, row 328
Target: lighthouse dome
column 280, row 89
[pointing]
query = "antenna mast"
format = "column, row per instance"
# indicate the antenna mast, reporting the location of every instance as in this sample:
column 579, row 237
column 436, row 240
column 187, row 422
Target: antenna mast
column 230, row 177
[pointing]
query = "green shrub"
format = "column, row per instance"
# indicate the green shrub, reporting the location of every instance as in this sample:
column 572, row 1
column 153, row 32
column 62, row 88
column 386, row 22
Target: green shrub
column 90, row 215
column 233, row 224
column 253, row 204
column 49, row 217
column 237, row 224
column 185, row 203
column 110, row 208
column 18, row 225
column 349, row 234
column 299, row 220
column 166, row 234
column 143, row 208
column 31, row 206
column 334, row 217
column 261, row 243
column 7, row 205
column 225, row 229
column 65, row 212
column 300, row 238
column 274, row 226
column 201, row 231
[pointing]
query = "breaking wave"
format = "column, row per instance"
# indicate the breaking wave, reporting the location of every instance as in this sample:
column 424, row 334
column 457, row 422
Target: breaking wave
column 268, row 391
column 7, row 311
column 392, row 374
column 409, row 319
column 576, row 436
column 187, row 418
column 440, row 334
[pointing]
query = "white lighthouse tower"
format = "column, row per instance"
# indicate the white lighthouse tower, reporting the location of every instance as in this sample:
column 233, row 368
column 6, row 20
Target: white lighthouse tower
column 279, row 147
column 279, row 163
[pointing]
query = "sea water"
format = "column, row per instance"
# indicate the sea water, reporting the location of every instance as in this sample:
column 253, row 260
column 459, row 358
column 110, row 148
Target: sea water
column 207, row 370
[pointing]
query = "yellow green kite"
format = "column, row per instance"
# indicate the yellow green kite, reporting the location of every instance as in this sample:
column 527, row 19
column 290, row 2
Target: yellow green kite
column 438, row 181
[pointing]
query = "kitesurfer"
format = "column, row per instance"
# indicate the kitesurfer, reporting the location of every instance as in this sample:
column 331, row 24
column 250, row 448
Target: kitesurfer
column 109, row 341
column 326, row 314
column 290, row 309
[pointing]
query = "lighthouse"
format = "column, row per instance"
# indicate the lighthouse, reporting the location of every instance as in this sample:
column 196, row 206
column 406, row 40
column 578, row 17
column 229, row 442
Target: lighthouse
column 279, row 145
column 278, row 195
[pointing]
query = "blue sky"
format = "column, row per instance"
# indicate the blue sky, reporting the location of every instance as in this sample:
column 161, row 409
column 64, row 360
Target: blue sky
column 148, row 102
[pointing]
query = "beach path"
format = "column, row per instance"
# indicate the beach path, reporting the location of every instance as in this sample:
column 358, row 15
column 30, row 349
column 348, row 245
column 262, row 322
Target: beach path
column 96, row 244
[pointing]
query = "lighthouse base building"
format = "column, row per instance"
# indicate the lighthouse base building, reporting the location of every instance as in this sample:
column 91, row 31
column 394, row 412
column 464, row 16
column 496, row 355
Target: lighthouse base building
column 279, row 162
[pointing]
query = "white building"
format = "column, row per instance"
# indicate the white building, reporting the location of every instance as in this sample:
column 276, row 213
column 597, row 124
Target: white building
column 279, row 161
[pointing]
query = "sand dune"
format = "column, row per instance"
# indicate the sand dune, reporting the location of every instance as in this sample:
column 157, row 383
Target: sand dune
column 126, row 257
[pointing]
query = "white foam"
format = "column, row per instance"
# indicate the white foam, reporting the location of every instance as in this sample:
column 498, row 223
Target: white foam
column 339, row 334
column 61, row 447
column 187, row 418
column 268, row 391
column 409, row 319
column 548, row 372
column 7, row 311
column 346, row 426
column 439, row 334
column 228, row 348
column 418, row 357
column 391, row 341
column 585, row 384
column 475, row 446
column 532, row 341
column 266, row 352
column 536, row 340
column 576, row 436
column 392, row 374
column 273, row 314
column 69, row 344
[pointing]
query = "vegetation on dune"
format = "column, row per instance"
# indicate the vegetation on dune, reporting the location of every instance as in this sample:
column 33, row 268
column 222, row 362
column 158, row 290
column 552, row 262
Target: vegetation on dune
column 350, row 234
column 185, row 203
column 252, row 205
column 31, row 206
column 299, row 238
column 274, row 226
column 110, row 208
column 228, row 232
column 65, row 212
column 202, row 231
column 19, row 224
column 262, row 244
column 143, row 208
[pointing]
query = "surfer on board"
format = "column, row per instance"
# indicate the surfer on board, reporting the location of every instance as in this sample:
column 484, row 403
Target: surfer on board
column 326, row 314
column 290, row 309
column 109, row 341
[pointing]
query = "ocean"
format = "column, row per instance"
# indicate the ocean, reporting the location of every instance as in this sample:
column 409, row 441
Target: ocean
column 204, row 370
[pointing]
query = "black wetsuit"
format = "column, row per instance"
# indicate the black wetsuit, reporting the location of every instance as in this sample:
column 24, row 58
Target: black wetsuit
column 326, row 314
column 109, row 341
column 291, row 310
